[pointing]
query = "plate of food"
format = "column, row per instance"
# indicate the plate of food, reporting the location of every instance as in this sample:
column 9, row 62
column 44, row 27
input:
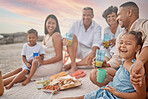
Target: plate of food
column 67, row 82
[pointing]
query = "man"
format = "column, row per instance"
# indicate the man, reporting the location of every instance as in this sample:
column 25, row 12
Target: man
column 128, row 17
column 86, row 39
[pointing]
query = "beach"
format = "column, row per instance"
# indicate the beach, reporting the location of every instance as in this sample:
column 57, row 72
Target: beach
column 10, row 59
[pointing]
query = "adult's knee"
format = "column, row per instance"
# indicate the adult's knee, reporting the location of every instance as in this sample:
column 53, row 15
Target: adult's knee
column 93, row 78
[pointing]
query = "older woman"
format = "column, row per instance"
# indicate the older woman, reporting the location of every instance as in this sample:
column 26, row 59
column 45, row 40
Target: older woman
column 110, row 14
column 113, row 29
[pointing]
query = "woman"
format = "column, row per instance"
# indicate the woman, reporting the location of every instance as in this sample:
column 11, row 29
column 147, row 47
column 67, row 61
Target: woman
column 53, row 48
column 52, row 44
column 110, row 14
column 113, row 29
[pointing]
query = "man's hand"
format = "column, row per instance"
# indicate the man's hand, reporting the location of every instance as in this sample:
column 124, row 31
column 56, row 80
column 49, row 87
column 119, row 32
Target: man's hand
column 137, row 73
column 89, row 58
column 111, row 89
column 65, row 42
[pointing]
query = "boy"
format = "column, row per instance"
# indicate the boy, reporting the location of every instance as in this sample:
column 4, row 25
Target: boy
column 30, row 64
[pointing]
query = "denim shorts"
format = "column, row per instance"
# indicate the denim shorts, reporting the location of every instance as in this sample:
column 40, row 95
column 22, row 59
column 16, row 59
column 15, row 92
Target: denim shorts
column 25, row 67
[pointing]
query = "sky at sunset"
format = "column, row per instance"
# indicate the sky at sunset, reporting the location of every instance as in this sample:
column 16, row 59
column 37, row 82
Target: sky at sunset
column 21, row 15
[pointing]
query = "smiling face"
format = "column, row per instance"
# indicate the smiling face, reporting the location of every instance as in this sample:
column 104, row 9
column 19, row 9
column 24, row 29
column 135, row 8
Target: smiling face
column 111, row 18
column 32, row 39
column 51, row 25
column 128, row 46
column 123, row 17
column 87, row 17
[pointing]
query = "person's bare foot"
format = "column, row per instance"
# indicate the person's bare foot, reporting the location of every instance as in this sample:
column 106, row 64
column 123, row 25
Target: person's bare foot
column 73, row 69
column 8, row 86
column 26, row 82
column 66, row 67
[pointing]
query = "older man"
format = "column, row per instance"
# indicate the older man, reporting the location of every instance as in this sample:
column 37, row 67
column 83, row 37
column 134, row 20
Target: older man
column 128, row 17
column 86, row 39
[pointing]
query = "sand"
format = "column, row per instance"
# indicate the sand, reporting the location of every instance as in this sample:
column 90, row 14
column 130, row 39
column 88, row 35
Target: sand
column 10, row 59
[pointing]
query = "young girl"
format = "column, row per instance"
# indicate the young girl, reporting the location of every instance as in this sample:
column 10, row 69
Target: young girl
column 30, row 64
column 121, row 86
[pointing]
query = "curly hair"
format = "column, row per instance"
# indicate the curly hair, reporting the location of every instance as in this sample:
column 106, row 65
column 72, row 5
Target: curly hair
column 32, row 31
column 109, row 11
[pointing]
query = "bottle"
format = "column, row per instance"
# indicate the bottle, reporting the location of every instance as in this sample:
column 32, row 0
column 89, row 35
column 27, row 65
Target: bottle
column 1, row 84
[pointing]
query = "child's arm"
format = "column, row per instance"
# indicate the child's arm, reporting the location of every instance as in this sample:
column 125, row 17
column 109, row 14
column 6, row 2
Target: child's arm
column 30, row 61
column 25, row 61
column 139, row 94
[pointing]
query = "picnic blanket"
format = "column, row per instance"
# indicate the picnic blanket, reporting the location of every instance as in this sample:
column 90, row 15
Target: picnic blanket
column 30, row 91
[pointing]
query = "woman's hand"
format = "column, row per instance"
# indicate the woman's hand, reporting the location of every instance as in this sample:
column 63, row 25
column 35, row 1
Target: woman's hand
column 65, row 41
column 112, row 42
column 39, row 59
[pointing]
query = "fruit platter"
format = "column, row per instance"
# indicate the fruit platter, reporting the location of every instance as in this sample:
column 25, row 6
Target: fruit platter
column 60, row 81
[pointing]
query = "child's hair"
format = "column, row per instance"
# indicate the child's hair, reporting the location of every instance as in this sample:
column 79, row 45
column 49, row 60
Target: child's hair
column 32, row 31
column 138, row 37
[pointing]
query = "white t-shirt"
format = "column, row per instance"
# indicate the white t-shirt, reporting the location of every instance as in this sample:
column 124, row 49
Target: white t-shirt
column 29, row 50
column 89, row 38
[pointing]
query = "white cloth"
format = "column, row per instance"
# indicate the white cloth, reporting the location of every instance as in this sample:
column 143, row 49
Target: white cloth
column 82, row 51
column 49, row 69
column 29, row 50
column 89, row 38
column 110, row 50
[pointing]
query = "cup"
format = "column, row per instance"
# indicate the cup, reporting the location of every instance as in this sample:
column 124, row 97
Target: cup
column 107, row 37
column 35, row 54
column 70, row 38
column 101, row 73
column 100, row 55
